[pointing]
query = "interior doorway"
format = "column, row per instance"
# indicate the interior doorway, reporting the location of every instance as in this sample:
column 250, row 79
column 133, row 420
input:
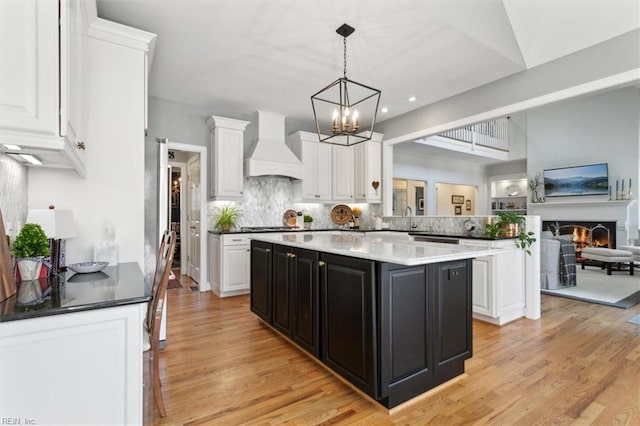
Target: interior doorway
column 456, row 200
column 187, row 213
column 176, row 217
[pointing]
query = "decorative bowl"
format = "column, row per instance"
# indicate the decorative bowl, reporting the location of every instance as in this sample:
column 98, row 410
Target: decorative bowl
column 87, row 267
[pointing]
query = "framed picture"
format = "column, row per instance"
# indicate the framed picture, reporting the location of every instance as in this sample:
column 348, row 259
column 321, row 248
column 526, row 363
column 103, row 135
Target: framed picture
column 468, row 204
column 458, row 210
column 420, row 203
column 457, row 199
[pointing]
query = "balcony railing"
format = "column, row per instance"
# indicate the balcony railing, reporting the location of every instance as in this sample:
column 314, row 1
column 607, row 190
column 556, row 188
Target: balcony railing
column 490, row 134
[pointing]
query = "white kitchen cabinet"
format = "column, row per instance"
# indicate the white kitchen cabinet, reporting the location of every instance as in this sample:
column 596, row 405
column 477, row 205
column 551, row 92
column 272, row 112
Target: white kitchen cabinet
column 82, row 368
column 230, row 263
column 342, row 173
column 315, row 185
column 498, row 282
column 41, row 60
column 482, row 289
column 226, row 152
column 368, row 170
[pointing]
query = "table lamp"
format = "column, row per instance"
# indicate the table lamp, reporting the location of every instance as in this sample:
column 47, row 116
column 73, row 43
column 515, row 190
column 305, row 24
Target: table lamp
column 58, row 225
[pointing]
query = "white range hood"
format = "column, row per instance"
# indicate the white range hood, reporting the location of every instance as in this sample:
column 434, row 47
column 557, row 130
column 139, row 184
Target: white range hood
column 269, row 154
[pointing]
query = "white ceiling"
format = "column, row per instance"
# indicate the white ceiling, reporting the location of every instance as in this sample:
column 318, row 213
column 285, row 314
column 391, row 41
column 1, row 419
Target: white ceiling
column 235, row 57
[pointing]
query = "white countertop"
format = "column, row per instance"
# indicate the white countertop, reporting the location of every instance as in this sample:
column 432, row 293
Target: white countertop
column 382, row 248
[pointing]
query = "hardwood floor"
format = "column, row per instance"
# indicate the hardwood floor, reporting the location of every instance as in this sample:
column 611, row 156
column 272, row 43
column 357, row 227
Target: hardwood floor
column 579, row 364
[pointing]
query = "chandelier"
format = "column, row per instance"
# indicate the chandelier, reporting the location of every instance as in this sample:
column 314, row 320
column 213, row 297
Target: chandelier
column 345, row 111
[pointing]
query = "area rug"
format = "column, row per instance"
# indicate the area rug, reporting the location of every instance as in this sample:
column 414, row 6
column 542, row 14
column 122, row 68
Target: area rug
column 594, row 285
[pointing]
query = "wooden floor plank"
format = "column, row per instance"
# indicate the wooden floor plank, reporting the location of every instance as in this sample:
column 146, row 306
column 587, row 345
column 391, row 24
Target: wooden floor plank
column 577, row 365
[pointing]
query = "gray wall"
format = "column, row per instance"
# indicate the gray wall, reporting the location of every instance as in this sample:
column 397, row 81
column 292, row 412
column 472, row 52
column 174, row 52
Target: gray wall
column 178, row 122
column 602, row 128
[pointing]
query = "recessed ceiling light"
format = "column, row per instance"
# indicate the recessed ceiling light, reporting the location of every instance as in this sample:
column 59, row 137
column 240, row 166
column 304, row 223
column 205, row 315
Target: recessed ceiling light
column 384, row 109
column 12, row 147
column 412, row 99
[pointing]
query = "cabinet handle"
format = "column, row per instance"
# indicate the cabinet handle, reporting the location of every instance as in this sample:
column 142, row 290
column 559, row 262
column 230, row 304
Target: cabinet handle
column 267, row 250
column 291, row 255
column 236, row 239
column 321, row 263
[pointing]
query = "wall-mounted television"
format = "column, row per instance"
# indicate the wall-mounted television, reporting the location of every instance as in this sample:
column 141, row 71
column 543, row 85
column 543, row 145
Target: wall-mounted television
column 592, row 179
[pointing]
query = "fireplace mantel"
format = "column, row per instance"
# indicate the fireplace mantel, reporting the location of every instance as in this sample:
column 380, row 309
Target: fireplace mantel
column 623, row 212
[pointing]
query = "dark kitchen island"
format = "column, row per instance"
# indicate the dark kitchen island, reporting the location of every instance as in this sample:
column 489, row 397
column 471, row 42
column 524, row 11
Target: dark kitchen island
column 392, row 317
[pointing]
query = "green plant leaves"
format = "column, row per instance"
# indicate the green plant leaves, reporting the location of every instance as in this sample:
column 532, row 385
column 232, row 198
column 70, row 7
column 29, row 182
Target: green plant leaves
column 31, row 242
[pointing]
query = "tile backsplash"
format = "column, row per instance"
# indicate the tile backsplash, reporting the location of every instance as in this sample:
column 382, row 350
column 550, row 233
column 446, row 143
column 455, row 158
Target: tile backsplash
column 13, row 193
column 267, row 198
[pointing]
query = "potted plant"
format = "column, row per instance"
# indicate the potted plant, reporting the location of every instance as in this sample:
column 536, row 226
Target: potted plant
column 227, row 217
column 511, row 225
column 29, row 248
column 307, row 221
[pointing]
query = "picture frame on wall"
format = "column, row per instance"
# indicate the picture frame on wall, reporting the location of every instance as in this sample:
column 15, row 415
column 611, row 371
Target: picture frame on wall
column 468, row 205
column 458, row 210
column 457, row 199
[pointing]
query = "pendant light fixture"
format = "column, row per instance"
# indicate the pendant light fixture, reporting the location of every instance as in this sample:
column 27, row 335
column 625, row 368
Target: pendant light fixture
column 345, row 111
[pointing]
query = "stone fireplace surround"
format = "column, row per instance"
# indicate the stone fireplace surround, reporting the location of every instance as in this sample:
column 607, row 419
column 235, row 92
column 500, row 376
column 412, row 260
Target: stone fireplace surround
column 623, row 213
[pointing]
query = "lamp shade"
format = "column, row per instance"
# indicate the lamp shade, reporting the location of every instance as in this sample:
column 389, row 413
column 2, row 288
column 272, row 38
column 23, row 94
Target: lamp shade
column 55, row 223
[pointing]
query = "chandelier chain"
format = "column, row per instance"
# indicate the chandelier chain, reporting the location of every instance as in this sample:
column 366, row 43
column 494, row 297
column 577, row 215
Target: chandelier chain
column 345, row 56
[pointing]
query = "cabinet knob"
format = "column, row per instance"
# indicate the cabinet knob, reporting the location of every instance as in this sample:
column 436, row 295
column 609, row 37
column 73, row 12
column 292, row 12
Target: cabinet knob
column 321, row 263
column 248, row 250
column 81, row 145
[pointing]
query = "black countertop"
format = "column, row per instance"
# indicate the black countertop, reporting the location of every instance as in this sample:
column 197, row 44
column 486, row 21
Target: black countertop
column 71, row 292
column 265, row 231
column 464, row 235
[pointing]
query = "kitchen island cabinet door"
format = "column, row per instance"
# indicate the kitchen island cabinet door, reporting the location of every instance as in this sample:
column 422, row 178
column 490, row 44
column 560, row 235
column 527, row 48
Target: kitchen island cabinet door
column 348, row 301
column 261, row 280
column 452, row 299
column 406, row 332
column 282, row 273
column 305, row 329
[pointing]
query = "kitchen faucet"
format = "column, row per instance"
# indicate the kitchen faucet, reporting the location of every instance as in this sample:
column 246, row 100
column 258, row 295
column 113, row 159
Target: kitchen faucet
column 411, row 225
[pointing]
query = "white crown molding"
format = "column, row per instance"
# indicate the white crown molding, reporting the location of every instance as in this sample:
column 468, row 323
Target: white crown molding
column 112, row 32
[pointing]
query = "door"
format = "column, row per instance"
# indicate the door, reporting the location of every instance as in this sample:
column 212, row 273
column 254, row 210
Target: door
column 305, row 301
column 348, row 309
column 261, row 280
column 193, row 217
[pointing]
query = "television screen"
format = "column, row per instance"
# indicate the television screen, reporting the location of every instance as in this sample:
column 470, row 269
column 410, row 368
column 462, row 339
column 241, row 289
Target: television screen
column 592, row 179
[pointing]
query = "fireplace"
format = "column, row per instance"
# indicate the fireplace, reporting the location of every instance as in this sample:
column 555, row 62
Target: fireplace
column 584, row 233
